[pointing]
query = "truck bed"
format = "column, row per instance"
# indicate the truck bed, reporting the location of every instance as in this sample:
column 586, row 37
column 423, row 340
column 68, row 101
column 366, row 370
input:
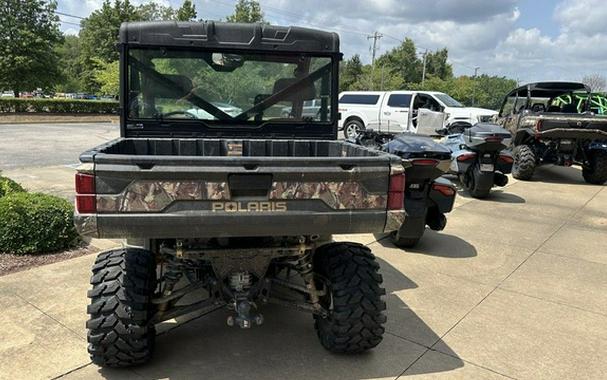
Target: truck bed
column 572, row 126
column 199, row 187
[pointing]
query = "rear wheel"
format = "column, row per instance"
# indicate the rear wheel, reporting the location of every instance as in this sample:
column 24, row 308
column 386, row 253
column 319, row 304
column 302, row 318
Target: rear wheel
column 353, row 299
column 471, row 183
column 352, row 128
column 596, row 173
column 524, row 162
column 119, row 332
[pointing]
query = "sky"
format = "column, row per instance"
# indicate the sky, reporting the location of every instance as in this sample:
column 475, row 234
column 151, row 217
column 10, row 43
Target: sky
column 527, row 40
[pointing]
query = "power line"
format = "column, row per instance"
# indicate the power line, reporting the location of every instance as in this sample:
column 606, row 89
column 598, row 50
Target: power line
column 69, row 15
column 69, row 23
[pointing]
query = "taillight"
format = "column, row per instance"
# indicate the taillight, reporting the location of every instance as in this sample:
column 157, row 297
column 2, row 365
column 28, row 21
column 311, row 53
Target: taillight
column 538, row 125
column 466, row 157
column 506, row 159
column 396, row 192
column 85, row 183
column 493, row 139
column 86, row 200
column 447, row 191
column 425, row 162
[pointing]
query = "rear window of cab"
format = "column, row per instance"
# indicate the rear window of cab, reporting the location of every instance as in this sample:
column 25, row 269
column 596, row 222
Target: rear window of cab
column 359, row 99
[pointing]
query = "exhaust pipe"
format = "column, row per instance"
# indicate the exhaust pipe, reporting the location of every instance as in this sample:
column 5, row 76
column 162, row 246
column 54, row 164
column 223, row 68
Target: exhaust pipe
column 500, row 179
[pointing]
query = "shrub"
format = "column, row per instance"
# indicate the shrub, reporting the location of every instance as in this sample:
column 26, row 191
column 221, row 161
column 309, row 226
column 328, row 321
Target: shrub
column 8, row 186
column 35, row 223
column 11, row 105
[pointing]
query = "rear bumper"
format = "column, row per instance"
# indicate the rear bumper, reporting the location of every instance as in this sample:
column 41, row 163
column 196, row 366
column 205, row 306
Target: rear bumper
column 573, row 133
column 184, row 225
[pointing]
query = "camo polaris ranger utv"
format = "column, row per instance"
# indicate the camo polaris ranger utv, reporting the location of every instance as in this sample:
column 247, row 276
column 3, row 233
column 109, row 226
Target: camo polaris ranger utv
column 221, row 185
column 556, row 123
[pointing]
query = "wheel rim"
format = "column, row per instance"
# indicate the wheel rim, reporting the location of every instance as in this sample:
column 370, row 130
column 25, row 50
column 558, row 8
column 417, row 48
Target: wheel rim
column 352, row 129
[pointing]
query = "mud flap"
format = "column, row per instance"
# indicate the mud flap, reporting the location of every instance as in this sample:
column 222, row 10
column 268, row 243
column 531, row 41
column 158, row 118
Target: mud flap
column 415, row 221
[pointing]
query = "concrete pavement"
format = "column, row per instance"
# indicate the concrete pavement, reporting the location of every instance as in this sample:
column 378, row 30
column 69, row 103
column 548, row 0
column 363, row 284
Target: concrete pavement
column 513, row 288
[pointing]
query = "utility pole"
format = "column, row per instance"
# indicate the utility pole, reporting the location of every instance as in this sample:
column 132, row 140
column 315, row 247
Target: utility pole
column 375, row 47
column 424, row 67
column 474, row 91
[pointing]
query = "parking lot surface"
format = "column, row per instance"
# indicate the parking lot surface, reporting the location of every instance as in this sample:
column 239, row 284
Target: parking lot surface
column 514, row 287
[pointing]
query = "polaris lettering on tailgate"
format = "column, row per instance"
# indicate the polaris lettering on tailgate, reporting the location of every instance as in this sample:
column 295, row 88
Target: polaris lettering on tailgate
column 248, row 206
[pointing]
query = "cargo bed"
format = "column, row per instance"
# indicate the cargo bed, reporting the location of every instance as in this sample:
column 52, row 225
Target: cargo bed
column 183, row 188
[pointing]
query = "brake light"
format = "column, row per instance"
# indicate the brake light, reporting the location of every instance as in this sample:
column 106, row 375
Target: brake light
column 86, row 200
column 538, row 125
column 447, row 191
column 466, row 157
column 396, row 192
column 85, row 183
column 506, row 159
column 425, row 162
column 493, row 139
column 86, row 204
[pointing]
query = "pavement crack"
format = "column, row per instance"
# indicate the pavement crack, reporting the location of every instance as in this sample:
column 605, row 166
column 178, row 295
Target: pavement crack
column 49, row 316
column 72, row 370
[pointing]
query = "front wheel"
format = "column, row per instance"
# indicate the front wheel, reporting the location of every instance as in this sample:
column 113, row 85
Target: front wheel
column 353, row 300
column 352, row 128
column 596, row 173
column 119, row 330
column 524, row 162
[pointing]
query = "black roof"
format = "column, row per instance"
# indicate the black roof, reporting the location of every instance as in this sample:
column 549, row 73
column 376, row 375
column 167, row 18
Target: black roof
column 211, row 34
column 548, row 89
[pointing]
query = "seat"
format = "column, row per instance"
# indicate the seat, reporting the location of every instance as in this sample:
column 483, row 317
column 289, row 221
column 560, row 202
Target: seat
column 569, row 108
column 554, row 108
column 538, row 107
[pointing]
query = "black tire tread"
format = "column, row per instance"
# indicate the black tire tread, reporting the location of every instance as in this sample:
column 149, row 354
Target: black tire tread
column 597, row 173
column 118, row 332
column 356, row 322
column 524, row 162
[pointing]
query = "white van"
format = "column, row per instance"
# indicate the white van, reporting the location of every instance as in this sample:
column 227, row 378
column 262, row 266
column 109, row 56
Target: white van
column 404, row 111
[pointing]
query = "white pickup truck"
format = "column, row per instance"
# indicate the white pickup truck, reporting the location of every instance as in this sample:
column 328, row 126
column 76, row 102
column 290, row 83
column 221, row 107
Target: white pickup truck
column 403, row 111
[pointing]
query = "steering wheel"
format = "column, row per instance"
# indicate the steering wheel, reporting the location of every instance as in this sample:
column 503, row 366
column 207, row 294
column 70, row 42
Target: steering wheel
column 185, row 113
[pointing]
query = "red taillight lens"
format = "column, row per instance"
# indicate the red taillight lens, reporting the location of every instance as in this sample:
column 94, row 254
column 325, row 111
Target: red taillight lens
column 447, row 191
column 86, row 204
column 85, row 183
column 396, row 193
column 86, row 201
column 506, row 159
column 493, row 139
column 466, row 157
column 538, row 125
column 425, row 162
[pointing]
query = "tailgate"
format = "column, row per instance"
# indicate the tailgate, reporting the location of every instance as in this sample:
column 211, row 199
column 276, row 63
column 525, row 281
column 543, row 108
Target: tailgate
column 573, row 126
column 175, row 196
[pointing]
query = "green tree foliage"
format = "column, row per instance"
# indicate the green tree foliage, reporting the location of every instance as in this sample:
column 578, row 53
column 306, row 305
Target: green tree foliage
column 107, row 75
column 351, row 71
column 29, row 32
column 152, row 11
column 186, row 12
column 402, row 61
column 69, row 65
column 437, row 65
column 247, row 11
column 99, row 35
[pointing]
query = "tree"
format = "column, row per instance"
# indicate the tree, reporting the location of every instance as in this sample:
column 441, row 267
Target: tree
column 107, row 75
column 99, row 35
column 596, row 82
column 402, row 61
column 247, row 11
column 69, row 65
column 350, row 73
column 29, row 33
column 187, row 12
column 153, row 11
column 436, row 64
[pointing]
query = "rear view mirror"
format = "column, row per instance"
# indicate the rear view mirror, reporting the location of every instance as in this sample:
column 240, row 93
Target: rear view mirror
column 225, row 62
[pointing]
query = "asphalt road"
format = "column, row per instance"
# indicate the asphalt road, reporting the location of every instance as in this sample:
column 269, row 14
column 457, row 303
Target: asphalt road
column 33, row 145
